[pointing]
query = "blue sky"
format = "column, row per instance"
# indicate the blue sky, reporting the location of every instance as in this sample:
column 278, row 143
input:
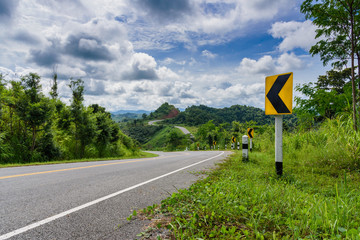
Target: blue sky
column 138, row 54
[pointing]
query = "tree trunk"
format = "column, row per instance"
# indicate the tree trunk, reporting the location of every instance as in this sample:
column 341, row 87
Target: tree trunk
column 353, row 68
column 358, row 58
column 33, row 138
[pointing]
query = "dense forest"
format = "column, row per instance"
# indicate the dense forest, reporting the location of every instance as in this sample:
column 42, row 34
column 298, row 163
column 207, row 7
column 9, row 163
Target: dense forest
column 34, row 127
column 197, row 115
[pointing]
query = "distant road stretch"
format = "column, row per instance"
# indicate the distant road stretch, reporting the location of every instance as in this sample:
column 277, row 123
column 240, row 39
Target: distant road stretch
column 92, row 200
column 154, row 121
column 184, row 130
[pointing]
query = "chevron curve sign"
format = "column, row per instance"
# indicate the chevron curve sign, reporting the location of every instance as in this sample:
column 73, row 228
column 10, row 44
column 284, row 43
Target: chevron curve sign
column 250, row 132
column 279, row 94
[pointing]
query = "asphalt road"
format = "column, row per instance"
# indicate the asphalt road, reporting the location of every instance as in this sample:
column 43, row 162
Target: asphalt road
column 154, row 121
column 92, row 200
column 184, row 130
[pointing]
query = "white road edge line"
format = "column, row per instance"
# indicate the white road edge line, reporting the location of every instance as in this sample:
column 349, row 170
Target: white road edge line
column 50, row 219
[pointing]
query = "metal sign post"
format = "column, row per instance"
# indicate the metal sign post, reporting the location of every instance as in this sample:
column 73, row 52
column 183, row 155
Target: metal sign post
column 278, row 102
column 278, row 144
column 250, row 133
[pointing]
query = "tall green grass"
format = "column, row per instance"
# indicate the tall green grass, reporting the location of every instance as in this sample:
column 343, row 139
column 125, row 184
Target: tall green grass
column 318, row 196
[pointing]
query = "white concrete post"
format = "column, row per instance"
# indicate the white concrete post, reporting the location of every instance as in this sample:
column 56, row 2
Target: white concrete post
column 245, row 148
column 278, row 144
column 238, row 145
column 225, row 146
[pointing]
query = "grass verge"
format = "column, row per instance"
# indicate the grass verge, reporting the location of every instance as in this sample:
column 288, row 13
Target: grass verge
column 249, row 201
column 138, row 155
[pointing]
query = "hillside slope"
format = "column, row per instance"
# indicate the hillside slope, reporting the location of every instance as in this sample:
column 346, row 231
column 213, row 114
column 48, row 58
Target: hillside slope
column 196, row 115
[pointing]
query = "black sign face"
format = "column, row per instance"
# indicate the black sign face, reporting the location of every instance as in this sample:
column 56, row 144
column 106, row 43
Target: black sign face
column 250, row 132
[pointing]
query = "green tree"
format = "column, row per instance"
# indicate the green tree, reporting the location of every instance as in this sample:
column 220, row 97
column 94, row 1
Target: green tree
column 175, row 139
column 35, row 127
column 104, row 128
column 328, row 97
column 33, row 107
column 54, row 87
column 11, row 99
column 338, row 24
column 204, row 131
column 236, row 130
column 2, row 91
column 83, row 121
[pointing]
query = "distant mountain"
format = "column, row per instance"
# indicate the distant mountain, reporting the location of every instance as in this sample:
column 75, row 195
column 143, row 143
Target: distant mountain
column 130, row 111
column 127, row 115
column 165, row 111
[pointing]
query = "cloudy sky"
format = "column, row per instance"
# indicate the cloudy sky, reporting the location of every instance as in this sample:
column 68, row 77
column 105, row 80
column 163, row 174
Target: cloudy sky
column 138, row 54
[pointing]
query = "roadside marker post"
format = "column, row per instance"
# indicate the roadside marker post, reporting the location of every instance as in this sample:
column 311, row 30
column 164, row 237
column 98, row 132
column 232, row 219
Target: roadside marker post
column 250, row 133
column 245, row 150
column 278, row 102
column 238, row 145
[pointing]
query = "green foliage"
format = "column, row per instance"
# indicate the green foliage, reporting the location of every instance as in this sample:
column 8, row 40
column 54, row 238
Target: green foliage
column 327, row 98
column 5, row 149
column 54, row 88
column 32, row 107
column 35, row 128
column 142, row 133
column 158, row 139
column 176, row 139
column 317, row 198
column 337, row 23
column 222, row 134
column 336, row 20
column 197, row 115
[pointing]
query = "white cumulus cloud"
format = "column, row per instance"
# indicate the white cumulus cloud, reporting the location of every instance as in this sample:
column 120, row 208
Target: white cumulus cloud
column 268, row 65
column 294, row 34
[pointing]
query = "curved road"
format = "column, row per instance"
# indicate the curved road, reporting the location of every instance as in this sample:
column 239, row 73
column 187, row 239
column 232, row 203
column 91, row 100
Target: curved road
column 91, row 200
column 184, row 130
